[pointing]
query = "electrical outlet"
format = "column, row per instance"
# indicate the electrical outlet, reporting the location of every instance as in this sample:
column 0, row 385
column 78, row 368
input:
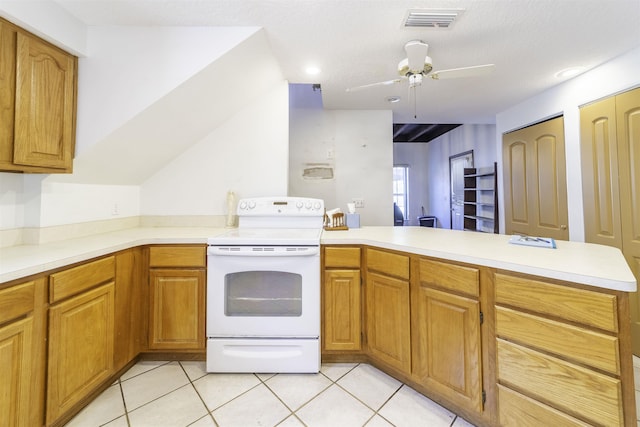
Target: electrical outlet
column 359, row 203
column 330, row 154
column 114, row 210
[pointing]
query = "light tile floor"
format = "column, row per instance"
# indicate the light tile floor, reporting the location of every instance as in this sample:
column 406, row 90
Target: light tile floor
column 180, row 394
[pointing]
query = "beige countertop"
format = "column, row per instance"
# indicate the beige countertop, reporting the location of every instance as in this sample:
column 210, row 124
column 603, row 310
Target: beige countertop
column 584, row 263
column 589, row 264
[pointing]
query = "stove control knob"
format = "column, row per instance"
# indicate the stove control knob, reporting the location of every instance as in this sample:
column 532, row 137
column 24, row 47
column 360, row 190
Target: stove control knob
column 299, row 204
column 316, row 205
column 243, row 205
column 252, row 204
column 308, row 205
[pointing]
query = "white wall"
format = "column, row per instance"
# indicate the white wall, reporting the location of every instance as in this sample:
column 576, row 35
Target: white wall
column 480, row 139
column 49, row 21
column 125, row 74
column 130, row 68
column 617, row 75
column 358, row 146
column 11, row 201
column 248, row 154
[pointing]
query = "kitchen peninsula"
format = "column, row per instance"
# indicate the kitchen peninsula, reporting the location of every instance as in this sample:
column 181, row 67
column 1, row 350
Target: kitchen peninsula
column 502, row 334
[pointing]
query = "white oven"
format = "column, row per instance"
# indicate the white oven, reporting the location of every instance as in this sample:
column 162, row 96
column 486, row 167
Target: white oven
column 263, row 289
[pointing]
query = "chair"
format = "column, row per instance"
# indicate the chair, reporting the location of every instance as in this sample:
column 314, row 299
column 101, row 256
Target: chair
column 398, row 218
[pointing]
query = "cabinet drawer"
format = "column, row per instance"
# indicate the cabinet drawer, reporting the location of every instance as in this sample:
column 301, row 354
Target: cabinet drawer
column 517, row 410
column 388, row 263
column 75, row 280
column 572, row 342
column 568, row 387
column 449, row 276
column 342, row 257
column 16, row 301
column 177, row 256
column 577, row 305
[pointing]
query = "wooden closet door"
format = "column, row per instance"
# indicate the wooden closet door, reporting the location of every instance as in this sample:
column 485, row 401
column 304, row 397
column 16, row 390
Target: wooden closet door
column 535, row 181
column 516, row 202
column 600, row 191
column 628, row 127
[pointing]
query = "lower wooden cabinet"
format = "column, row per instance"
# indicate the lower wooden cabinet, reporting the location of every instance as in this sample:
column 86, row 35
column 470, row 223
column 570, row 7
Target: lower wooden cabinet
column 177, row 297
column 81, row 334
column 577, row 371
column 177, row 313
column 22, row 357
column 341, row 314
column 446, row 332
column 81, row 331
column 131, row 307
column 388, row 309
column 341, row 300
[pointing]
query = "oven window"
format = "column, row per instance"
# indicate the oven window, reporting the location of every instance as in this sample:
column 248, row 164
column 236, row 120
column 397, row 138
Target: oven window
column 263, row 293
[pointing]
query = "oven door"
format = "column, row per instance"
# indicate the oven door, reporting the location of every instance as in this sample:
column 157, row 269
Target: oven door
column 263, row 292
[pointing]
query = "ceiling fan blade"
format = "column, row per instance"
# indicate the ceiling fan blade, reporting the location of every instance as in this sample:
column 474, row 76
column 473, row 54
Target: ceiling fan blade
column 454, row 73
column 387, row 83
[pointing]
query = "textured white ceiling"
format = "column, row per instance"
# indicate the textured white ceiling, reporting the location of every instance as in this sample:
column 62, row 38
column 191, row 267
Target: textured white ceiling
column 357, row 42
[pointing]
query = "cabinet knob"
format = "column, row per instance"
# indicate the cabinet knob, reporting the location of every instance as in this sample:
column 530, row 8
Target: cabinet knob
column 563, row 227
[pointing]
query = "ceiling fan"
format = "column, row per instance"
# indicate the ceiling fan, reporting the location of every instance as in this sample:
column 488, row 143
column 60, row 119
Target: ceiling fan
column 417, row 65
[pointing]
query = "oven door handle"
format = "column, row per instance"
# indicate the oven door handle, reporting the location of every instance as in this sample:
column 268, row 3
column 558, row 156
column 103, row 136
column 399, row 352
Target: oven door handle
column 263, row 251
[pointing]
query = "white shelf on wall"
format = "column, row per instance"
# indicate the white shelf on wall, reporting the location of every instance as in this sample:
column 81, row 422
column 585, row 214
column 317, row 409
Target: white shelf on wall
column 481, row 199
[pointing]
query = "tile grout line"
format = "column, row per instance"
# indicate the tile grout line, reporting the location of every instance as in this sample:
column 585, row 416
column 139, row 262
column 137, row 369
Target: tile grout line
column 159, row 397
column 206, row 408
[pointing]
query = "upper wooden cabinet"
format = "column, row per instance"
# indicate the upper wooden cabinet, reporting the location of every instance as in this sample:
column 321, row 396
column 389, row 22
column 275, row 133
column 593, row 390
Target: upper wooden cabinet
column 38, row 88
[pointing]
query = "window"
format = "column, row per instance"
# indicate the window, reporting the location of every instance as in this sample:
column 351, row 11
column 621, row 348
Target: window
column 401, row 188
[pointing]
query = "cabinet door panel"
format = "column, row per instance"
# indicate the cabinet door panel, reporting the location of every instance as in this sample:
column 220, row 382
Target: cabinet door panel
column 598, row 145
column 388, row 321
column 447, row 345
column 15, row 371
column 7, row 92
column 341, row 299
column 45, row 103
column 80, row 347
column 177, row 309
column 516, row 203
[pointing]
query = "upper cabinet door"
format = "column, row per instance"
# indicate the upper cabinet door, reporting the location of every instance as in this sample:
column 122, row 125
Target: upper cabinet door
column 45, row 104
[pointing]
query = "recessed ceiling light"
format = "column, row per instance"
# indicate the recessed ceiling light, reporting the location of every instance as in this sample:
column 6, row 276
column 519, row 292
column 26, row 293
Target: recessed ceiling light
column 312, row 70
column 569, row 72
column 393, row 99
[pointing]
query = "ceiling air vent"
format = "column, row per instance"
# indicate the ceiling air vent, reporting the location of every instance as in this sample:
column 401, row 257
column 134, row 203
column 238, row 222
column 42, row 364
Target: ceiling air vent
column 432, row 18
